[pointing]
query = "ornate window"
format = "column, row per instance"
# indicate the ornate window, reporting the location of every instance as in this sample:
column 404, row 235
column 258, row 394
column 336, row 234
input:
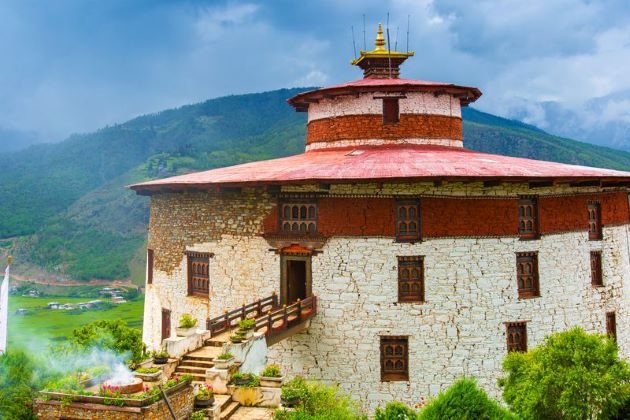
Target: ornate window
column 391, row 111
column 527, row 274
column 394, row 359
column 198, row 273
column 596, row 268
column 528, row 218
column 516, row 333
column 408, row 228
column 611, row 325
column 594, row 221
column 298, row 217
column 149, row 266
column 410, row 279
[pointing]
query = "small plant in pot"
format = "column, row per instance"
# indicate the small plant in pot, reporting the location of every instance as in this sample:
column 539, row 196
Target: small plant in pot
column 238, row 337
column 160, row 357
column 150, row 374
column 271, row 377
column 205, row 396
column 224, row 360
column 247, row 326
column 244, row 380
column 187, row 326
column 293, row 392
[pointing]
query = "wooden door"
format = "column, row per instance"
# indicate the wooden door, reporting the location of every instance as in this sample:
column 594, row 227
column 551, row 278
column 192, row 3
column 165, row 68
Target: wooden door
column 166, row 323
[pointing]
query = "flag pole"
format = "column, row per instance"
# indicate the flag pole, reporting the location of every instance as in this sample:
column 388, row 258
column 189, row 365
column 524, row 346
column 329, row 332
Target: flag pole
column 4, row 307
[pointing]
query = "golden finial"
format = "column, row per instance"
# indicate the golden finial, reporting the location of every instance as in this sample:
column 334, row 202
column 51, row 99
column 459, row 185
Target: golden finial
column 380, row 41
column 9, row 260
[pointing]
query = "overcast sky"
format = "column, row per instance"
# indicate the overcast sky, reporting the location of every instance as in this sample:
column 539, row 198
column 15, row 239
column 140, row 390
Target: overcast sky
column 74, row 66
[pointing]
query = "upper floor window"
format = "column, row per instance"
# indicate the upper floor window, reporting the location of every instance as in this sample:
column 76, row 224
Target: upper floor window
column 410, row 279
column 596, row 269
column 611, row 325
column 298, row 217
column 594, row 221
column 394, row 359
column 408, row 221
column 198, row 273
column 516, row 333
column 149, row 266
column 528, row 218
column 391, row 111
column 527, row 274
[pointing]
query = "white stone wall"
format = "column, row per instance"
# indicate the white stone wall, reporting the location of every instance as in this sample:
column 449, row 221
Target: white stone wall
column 364, row 103
column 470, row 291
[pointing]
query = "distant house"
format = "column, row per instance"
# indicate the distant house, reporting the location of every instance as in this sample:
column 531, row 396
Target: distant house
column 32, row 293
column 94, row 303
column 53, row 305
column 118, row 300
column 67, row 306
column 21, row 311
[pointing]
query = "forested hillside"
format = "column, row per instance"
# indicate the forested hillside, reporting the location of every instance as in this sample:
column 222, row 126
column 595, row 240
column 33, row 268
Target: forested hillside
column 66, row 208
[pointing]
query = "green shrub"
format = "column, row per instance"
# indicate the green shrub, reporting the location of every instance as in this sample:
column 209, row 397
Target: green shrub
column 247, row 324
column 395, row 411
column 250, row 380
column 112, row 335
column 318, row 402
column 148, row 370
column 225, row 356
column 271, row 371
column 572, row 375
column 187, row 321
column 464, row 400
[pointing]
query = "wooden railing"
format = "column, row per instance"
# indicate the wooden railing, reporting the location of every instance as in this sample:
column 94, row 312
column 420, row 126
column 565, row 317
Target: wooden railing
column 230, row 319
column 274, row 322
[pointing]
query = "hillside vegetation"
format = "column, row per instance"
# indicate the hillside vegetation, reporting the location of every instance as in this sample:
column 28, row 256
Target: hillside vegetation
column 67, row 206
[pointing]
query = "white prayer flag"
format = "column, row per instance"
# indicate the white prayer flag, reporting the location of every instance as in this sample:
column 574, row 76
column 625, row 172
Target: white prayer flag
column 4, row 309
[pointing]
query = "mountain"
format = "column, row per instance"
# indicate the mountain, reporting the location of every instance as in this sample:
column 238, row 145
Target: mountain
column 64, row 208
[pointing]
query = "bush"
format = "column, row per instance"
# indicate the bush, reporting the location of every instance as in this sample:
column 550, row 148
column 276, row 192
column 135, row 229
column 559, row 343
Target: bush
column 247, row 324
column 395, row 411
column 572, row 375
column 271, row 371
column 187, row 321
column 318, row 402
column 464, row 400
column 112, row 335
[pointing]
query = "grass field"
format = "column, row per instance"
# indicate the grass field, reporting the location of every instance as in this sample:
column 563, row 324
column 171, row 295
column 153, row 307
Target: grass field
column 41, row 326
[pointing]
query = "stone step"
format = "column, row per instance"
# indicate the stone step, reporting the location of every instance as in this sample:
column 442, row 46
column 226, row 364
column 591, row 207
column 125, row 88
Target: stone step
column 198, row 358
column 223, row 401
column 206, row 364
column 195, row 378
column 191, row 370
column 231, row 409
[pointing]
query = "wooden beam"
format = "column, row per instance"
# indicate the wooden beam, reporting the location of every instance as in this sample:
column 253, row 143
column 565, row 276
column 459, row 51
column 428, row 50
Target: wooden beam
column 492, row 183
column 540, row 184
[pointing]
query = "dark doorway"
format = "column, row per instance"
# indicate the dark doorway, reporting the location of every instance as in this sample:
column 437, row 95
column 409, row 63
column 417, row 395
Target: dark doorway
column 296, row 278
column 166, row 323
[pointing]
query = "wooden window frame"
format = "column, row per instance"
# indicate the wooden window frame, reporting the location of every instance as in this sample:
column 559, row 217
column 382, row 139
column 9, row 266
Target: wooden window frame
column 405, row 263
column 394, row 375
column 193, row 257
column 534, row 290
column 611, row 325
column 594, row 217
column 408, row 203
column 597, row 278
column 524, row 232
column 391, row 111
column 165, row 331
column 512, row 328
column 307, row 221
column 150, row 262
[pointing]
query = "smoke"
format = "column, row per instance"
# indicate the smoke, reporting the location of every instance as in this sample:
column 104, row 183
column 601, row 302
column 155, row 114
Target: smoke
column 121, row 375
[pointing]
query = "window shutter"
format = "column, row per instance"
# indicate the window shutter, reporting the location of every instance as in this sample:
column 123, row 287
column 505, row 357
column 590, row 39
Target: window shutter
column 408, row 221
column 391, row 113
column 394, row 359
column 410, row 279
column 594, row 221
column 198, row 273
column 528, row 218
column 149, row 266
column 516, row 333
column 527, row 274
column 596, row 269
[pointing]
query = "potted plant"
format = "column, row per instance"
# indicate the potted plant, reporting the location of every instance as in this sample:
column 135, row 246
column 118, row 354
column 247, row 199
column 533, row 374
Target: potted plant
column 205, row 397
column 271, row 377
column 150, row 374
column 238, row 337
column 187, row 326
column 244, row 379
column 293, row 392
column 224, row 360
column 160, row 357
column 247, row 326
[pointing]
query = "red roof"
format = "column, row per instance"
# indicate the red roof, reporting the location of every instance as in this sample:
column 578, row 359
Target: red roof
column 467, row 94
column 386, row 163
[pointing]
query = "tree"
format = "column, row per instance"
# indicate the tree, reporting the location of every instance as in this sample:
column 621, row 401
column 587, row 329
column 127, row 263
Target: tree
column 572, row 375
column 112, row 335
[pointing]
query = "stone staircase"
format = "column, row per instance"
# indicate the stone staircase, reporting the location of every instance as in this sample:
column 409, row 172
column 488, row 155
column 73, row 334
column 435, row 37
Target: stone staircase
column 196, row 362
column 227, row 406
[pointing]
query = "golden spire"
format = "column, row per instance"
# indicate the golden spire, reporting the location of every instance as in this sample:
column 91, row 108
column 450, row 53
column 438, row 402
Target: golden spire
column 380, row 41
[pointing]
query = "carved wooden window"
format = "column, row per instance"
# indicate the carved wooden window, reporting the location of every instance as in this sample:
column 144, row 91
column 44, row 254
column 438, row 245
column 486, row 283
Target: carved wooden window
column 527, row 274
column 149, row 266
column 528, row 218
column 198, row 273
column 410, row 279
column 298, row 217
column 596, row 269
column 611, row 325
column 594, row 221
column 516, row 333
column 394, row 359
column 391, row 111
column 408, row 227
